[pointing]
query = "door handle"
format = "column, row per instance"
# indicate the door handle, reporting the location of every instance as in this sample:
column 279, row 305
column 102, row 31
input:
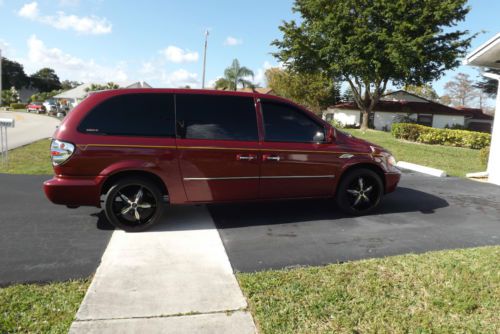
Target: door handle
column 271, row 157
column 248, row 157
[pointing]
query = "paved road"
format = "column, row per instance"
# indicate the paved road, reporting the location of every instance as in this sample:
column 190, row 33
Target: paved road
column 29, row 128
column 425, row 213
column 42, row 242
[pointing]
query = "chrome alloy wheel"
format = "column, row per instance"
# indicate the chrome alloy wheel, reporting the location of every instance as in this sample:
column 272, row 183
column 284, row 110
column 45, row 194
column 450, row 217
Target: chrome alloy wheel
column 361, row 191
column 134, row 204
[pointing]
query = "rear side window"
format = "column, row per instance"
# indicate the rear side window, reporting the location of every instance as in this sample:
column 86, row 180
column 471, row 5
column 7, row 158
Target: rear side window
column 148, row 115
column 216, row 117
column 285, row 123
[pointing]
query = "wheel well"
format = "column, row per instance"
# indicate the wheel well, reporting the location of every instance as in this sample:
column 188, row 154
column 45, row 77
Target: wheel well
column 141, row 174
column 371, row 167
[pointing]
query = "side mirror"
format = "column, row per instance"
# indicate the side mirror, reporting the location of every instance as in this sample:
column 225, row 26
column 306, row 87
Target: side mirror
column 319, row 137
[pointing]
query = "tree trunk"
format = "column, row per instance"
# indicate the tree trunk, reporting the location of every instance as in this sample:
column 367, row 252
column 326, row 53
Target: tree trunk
column 364, row 121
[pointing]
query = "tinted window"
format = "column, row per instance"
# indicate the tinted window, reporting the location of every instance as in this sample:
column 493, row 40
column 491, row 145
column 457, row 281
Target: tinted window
column 285, row 123
column 216, row 117
column 132, row 115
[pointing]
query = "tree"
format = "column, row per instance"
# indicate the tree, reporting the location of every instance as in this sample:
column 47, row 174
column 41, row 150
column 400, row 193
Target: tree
column 13, row 75
column 369, row 43
column 45, row 80
column 426, row 91
column 97, row 87
column 43, row 96
column 313, row 90
column 487, row 85
column 68, row 84
column 235, row 75
column 460, row 90
column 348, row 95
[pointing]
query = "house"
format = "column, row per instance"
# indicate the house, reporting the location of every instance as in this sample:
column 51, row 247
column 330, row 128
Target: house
column 487, row 56
column 77, row 94
column 394, row 106
column 260, row 90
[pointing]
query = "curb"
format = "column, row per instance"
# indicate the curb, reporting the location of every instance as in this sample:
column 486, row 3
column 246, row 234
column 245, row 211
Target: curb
column 421, row 169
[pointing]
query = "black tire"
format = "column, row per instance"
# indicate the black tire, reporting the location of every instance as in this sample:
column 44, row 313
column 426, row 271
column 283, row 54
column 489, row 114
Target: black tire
column 127, row 189
column 357, row 197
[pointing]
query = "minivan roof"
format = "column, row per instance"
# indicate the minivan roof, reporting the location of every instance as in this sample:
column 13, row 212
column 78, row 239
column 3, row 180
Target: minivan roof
column 183, row 91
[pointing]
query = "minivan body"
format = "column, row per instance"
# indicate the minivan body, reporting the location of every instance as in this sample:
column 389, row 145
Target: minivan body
column 135, row 151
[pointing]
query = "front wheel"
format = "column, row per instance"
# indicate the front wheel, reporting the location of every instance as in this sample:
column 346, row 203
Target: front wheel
column 134, row 204
column 359, row 191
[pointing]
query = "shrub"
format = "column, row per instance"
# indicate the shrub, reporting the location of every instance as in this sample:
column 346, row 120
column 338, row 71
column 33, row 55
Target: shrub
column 484, row 154
column 336, row 124
column 17, row 105
column 455, row 126
column 434, row 136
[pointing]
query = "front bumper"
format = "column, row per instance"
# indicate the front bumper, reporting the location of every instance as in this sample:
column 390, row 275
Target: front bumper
column 391, row 181
column 74, row 191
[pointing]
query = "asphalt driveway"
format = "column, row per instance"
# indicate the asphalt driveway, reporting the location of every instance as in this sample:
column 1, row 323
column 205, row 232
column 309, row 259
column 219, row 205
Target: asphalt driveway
column 425, row 213
column 40, row 241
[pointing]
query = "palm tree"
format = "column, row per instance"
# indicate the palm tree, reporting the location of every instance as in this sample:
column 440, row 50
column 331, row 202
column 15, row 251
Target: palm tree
column 233, row 76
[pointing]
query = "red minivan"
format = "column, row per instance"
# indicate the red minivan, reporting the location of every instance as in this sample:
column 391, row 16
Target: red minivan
column 135, row 151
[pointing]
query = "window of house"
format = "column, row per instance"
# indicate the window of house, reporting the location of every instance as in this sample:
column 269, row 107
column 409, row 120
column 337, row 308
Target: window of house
column 424, row 120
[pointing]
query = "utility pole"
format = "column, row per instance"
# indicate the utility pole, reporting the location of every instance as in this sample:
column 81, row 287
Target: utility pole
column 204, row 60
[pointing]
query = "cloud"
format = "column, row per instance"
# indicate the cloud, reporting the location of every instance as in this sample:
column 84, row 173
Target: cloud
column 260, row 75
column 181, row 77
column 29, row 10
column 177, row 55
column 155, row 71
column 83, row 24
column 233, row 41
column 7, row 50
column 68, row 66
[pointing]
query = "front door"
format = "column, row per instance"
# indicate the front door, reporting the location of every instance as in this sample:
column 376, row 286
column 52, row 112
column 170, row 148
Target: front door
column 217, row 142
column 295, row 160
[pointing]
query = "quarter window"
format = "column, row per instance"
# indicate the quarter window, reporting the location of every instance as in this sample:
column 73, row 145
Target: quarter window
column 216, row 117
column 285, row 123
column 148, row 115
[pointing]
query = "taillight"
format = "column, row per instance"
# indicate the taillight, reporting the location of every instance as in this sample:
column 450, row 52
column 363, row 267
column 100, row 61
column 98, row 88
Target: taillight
column 60, row 151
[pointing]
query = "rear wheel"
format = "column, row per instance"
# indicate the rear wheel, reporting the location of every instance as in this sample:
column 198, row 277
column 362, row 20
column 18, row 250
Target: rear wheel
column 359, row 191
column 134, row 204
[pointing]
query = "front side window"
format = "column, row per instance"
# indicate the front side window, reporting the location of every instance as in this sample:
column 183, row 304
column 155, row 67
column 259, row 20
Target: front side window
column 285, row 123
column 148, row 115
column 216, row 117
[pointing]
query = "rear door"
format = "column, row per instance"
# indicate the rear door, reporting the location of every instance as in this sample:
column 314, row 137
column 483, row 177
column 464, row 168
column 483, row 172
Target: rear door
column 217, row 141
column 295, row 160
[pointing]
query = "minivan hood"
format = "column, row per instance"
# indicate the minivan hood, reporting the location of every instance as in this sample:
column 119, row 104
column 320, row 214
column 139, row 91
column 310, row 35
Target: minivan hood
column 348, row 139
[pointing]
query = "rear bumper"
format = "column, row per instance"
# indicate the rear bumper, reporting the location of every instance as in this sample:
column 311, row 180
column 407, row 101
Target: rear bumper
column 74, row 191
column 391, row 181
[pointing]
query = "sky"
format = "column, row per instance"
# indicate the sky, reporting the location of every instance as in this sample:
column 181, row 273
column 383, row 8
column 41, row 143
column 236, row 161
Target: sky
column 161, row 42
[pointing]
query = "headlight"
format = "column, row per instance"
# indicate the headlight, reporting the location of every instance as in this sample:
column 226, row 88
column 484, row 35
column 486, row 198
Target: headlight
column 391, row 161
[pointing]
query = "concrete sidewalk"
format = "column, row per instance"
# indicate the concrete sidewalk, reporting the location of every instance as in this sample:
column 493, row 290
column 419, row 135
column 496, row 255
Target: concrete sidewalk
column 29, row 128
column 175, row 279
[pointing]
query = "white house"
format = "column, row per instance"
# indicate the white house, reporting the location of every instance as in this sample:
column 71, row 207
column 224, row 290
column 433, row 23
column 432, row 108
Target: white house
column 488, row 56
column 396, row 105
column 77, row 94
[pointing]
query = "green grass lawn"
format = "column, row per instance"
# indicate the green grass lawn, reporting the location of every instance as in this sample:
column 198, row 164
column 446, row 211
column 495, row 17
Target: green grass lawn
column 455, row 161
column 438, row 292
column 35, row 308
column 30, row 159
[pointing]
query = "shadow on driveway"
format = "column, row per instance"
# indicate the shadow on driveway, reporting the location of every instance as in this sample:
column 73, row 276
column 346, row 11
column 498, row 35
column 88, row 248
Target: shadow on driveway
column 423, row 214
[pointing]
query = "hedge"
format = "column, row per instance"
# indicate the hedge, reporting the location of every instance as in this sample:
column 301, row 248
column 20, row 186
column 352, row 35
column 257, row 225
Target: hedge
column 17, row 105
column 427, row 135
